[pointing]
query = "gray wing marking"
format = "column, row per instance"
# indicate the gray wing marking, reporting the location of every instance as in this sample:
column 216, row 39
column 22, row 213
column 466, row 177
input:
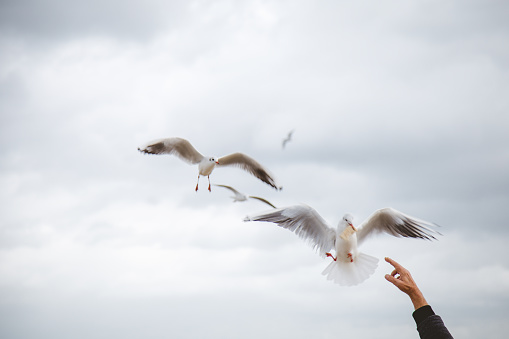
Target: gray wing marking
column 250, row 165
column 395, row 223
column 176, row 146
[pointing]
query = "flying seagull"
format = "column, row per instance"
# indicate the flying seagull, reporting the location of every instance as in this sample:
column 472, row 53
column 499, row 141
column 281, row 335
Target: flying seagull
column 185, row 151
column 349, row 266
column 242, row 197
column 288, row 138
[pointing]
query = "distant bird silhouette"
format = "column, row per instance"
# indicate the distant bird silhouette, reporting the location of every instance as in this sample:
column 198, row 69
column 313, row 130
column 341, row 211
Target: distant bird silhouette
column 288, row 138
column 242, row 197
column 349, row 267
column 185, row 151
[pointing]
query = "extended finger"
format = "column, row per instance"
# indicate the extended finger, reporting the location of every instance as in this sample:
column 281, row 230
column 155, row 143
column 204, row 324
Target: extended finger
column 393, row 263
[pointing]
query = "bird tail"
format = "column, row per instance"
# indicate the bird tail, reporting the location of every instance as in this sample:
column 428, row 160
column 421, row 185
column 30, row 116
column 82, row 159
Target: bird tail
column 351, row 273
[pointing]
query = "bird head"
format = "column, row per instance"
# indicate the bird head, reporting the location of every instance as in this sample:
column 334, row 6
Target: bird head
column 214, row 159
column 348, row 221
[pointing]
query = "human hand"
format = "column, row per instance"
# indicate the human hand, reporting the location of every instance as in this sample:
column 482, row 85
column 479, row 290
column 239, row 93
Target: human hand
column 402, row 279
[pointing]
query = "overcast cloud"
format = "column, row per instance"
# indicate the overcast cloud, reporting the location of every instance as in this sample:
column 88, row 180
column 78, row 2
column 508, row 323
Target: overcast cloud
column 394, row 103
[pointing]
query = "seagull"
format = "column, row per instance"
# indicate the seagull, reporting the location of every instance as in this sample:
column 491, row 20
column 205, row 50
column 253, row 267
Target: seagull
column 288, row 138
column 185, row 151
column 349, row 266
column 242, row 197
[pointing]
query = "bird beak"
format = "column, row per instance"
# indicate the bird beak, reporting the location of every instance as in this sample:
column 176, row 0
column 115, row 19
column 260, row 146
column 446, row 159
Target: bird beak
column 217, row 162
column 353, row 227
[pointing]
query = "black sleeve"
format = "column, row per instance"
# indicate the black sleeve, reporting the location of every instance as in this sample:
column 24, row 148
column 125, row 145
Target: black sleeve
column 422, row 313
column 430, row 325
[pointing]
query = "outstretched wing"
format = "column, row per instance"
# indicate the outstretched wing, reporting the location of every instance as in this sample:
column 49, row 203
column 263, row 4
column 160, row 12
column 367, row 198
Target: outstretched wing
column 262, row 200
column 238, row 195
column 303, row 221
column 288, row 138
column 230, row 188
column 176, row 146
column 249, row 164
column 395, row 223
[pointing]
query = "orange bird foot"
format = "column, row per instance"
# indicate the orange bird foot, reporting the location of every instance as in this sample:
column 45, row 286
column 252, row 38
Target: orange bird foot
column 330, row 255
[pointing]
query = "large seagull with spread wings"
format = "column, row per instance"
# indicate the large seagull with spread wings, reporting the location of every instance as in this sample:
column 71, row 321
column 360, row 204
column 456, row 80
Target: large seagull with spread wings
column 185, row 151
column 349, row 266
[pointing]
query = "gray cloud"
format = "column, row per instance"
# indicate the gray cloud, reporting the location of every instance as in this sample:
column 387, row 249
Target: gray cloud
column 393, row 104
column 54, row 19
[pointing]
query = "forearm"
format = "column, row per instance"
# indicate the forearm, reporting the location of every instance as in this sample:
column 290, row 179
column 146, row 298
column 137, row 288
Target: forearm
column 417, row 299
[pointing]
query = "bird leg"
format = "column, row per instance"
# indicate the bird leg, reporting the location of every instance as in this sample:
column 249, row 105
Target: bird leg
column 350, row 256
column 208, row 177
column 196, row 189
column 330, row 255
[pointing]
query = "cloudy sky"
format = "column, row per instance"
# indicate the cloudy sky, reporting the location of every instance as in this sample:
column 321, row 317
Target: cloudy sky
column 393, row 103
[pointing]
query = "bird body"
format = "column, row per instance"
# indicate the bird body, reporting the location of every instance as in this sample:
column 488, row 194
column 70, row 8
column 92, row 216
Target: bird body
column 345, row 247
column 237, row 196
column 185, row 151
column 206, row 166
column 350, row 266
